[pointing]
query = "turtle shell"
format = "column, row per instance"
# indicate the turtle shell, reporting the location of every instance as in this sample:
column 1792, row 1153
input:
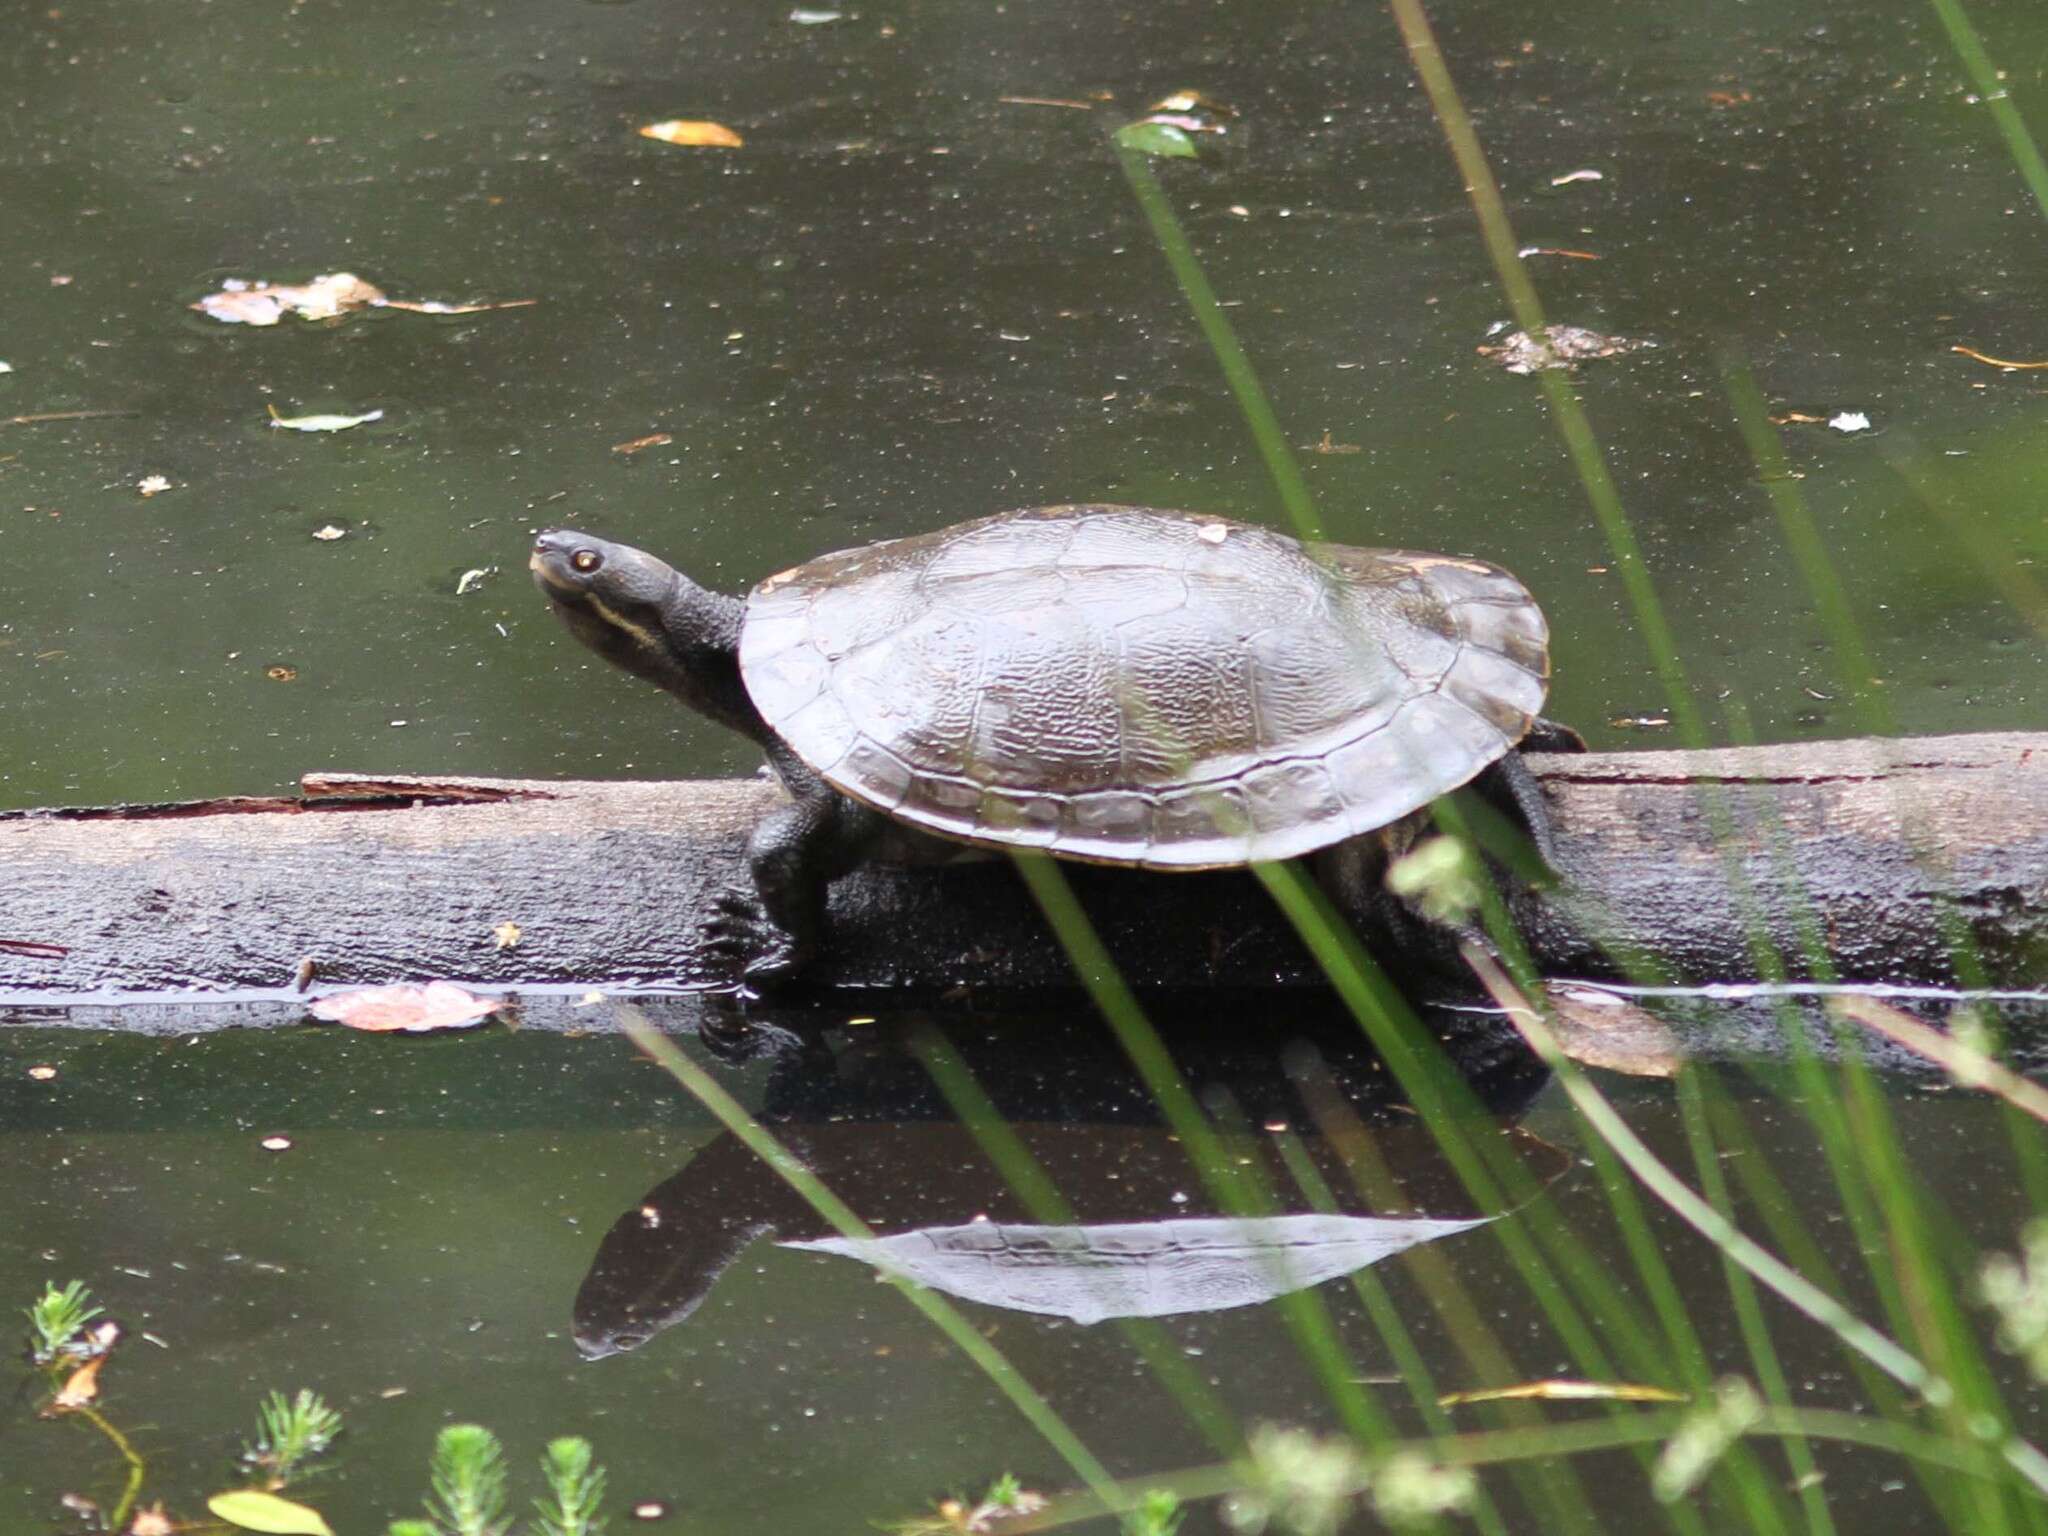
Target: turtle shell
column 1127, row 686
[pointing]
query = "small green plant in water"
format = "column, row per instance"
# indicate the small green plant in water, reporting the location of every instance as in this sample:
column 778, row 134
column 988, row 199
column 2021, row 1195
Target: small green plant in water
column 1158, row 1514
column 468, row 1478
column 2017, row 1290
column 57, row 1320
column 575, row 1490
column 290, row 1433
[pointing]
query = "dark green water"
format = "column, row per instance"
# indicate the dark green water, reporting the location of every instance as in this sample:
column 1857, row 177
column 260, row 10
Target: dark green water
column 904, row 302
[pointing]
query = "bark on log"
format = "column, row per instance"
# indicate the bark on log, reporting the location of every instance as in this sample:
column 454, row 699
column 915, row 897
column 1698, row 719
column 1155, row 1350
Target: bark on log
column 387, row 879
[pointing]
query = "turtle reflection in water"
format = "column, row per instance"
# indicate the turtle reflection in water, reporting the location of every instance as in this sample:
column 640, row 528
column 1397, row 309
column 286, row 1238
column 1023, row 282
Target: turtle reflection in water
column 1117, row 685
column 1144, row 1240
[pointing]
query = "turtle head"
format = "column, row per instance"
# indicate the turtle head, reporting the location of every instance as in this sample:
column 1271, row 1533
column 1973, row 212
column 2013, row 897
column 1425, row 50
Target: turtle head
column 614, row 598
column 645, row 616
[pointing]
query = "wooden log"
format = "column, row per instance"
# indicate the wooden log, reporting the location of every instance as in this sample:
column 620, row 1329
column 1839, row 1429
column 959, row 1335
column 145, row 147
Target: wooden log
column 1854, row 845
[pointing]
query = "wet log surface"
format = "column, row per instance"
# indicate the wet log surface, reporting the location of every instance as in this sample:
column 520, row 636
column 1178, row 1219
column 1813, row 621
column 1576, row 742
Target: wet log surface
column 1855, row 845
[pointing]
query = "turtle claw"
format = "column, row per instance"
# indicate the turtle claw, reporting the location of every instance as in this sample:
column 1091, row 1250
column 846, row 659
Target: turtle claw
column 741, row 933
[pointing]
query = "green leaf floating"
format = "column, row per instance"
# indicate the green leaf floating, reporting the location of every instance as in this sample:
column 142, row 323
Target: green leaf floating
column 254, row 1510
column 1159, row 139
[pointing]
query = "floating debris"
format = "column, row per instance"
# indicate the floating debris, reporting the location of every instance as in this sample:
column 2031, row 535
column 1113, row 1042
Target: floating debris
column 1997, row 362
column 1563, row 346
column 326, row 297
column 1563, row 1390
column 651, row 440
column 321, row 422
column 151, row 485
column 693, row 133
column 1849, row 421
column 413, row 1009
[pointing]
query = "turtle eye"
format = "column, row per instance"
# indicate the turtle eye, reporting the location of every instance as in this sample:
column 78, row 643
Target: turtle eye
column 586, row 560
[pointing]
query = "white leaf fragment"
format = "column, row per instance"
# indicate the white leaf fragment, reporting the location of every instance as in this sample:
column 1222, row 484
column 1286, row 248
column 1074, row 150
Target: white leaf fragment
column 152, row 485
column 1849, row 421
column 474, row 578
column 322, row 422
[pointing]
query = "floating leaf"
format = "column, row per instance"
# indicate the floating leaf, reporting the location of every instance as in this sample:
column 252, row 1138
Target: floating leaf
column 254, row 1510
column 506, row 935
column 322, row 423
column 1560, row 347
column 652, row 440
column 152, row 485
column 1165, row 141
column 693, row 133
column 414, row 1009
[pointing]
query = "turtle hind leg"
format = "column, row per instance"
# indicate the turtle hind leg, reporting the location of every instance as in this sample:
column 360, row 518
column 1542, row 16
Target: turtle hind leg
column 772, row 931
column 1510, row 788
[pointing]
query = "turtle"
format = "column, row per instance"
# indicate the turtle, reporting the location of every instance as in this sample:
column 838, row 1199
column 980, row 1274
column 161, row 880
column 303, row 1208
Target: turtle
column 1111, row 684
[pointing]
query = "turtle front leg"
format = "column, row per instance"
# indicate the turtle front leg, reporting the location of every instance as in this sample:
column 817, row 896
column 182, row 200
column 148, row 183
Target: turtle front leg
column 773, row 930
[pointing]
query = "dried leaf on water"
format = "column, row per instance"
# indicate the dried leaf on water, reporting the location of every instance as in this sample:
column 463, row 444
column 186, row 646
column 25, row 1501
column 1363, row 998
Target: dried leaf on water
column 693, row 133
column 80, row 1387
column 413, row 1009
column 1562, row 1390
column 240, row 302
column 651, row 440
column 321, row 422
column 1602, row 1029
column 327, row 297
column 254, row 1510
